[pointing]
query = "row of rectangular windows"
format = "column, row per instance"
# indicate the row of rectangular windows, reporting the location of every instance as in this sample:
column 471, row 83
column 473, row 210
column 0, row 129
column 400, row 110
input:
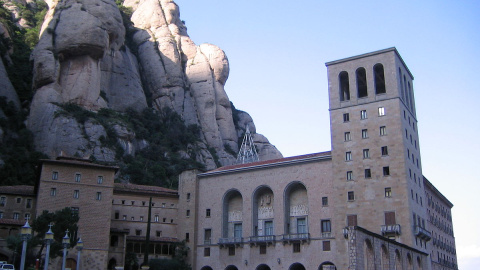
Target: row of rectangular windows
column 263, row 249
column 156, row 218
column 144, row 203
column 28, row 202
column 348, row 135
column 363, row 114
column 16, row 216
column 351, row 194
column 366, row 153
column 77, row 177
column 368, row 173
column 76, row 194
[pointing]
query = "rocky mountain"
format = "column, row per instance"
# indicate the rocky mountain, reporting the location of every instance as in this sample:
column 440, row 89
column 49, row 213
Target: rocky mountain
column 99, row 56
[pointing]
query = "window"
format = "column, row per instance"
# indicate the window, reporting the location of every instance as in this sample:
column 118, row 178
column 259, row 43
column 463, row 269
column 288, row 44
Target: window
column 132, row 218
column 207, row 212
column 363, row 114
column 383, row 130
column 138, row 232
column 158, row 233
column 379, row 77
column 16, row 215
column 164, row 219
column 351, row 220
column 263, row 249
column 141, row 218
column 132, row 202
column 326, row 226
column 123, row 201
column 53, row 192
column 361, row 75
column 366, row 153
column 206, row 252
column 54, row 175
column 237, row 230
column 386, row 171
column 1, row 215
column 351, row 196
column 27, row 216
column 296, row 247
column 381, row 111
column 188, row 196
column 3, row 201
column 326, row 245
column 99, row 196
column 114, row 240
column 324, row 201
column 29, row 203
column 188, row 213
column 144, row 203
column 347, row 136
column 231, row 251
column 346, row 117
column 171, row 220
column 349, row 175
column 368, row 173
column 100, row 179
column 187, row 237
column 156, row 218
column 76, row 194
column 19, row 200
column 117, row 215
column 268, row 227
column 164, row 205
column 384, row 151
column 124, row 217
column 348, row 156
column 390, row 218
column 344, row 86
column 75, row 211
column 301, row 225
column 207, row 238
column 78, row 177
column 388, row 192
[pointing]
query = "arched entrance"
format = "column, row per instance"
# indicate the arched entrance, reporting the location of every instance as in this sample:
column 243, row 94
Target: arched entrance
column 206, row 268
column 297, row 266
column 327, row 266
column 231, row 267
column 263, row 267
column 71, row 263
column 112, row 263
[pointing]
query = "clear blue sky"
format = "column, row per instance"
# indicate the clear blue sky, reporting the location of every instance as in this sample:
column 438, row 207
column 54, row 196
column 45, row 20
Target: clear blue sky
column 277, row 52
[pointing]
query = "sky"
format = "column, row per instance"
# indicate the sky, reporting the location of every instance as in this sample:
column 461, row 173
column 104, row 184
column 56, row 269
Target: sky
column 277, row 52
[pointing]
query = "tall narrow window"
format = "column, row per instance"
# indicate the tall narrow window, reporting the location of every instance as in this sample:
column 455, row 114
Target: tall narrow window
column 344, row 86
column 324, row 201
column 237, row 230
column 351, row 196
column 410, row 100
column 29, row 203
column 54, row 175
column 366, row 153
column 390, row 218
column 348, row 136
column 76, row 194
column 401, row 83
column 346, row 117
column 301, row 225
column 78, row 177
column 3, row 201
column 53, row 192
column 268, row 227
column 207, row 239
column 100, row 180
column 364, row 133
column 349, row 175
column 348, row 156
column 384, row 151
column 361, row 82
column 99, row 196
column 388, row 192
column 352, row 220
column 363, row 114
column 207, row 212
column 326, row 226
column 383, row 130
column 386, row 171
column 381, row 111
column 407, row 98
column 379, row 75
column 368, row 173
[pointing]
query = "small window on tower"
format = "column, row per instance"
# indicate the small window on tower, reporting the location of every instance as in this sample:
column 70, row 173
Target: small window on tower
column 349, row 175
column 363, row 114
column 348, row 136
column 346, row 117
column 384, row 151
column 368, row 173
column 388, row 192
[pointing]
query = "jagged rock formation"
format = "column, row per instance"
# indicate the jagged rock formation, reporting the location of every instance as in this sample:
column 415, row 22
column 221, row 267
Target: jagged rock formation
column 87, row 57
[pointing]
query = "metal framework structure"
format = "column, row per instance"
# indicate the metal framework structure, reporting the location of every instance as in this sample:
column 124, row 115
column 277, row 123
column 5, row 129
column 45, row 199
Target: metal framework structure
column 247, row 152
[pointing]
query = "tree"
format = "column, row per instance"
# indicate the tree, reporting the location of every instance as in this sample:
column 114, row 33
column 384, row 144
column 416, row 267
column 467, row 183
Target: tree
column 62, row 220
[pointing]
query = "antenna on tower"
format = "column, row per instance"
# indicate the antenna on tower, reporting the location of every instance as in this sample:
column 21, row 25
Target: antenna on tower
column 247, row 152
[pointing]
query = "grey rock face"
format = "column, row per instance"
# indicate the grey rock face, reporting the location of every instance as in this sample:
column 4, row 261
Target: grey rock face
column 82, row 58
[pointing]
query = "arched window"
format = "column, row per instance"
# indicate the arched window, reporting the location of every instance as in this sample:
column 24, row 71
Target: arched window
column 411, row 96
column 297, row 266
column 385, row 258
column 327, row 266
column 231, row 267
column 296, row 210
column 344, row 86
column 409, row 262
column 398, row 260
column 206, row 268
column 263, row 267
column 379, row 75
column 419, row 263
column 369, row 255
column 232, row 216
column 401, row 84
column 361, row 75
column 263, row 202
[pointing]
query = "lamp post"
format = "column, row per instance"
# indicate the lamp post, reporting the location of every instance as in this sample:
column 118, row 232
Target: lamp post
column 66, row 244
column 79, row 248
column 48, row 241
column 26, row 233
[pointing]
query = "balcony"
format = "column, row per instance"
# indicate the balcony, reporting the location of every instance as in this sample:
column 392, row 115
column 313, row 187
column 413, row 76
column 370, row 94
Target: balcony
column 231, row 241
column 389, row 230
column 264, row 239
column 327, row 235
column 422, row 233
column 295, row 237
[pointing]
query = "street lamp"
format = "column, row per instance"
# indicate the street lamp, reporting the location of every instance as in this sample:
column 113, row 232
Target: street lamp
column 48, row 241
column 26, row 232
column 79, row 248
column 65, row 244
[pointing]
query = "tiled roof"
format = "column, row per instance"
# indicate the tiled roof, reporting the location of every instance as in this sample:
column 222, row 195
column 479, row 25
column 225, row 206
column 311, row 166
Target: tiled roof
column 18, row 190
column 272, row 161
column 120, row 187
column 9, row 221
column 80, row 162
